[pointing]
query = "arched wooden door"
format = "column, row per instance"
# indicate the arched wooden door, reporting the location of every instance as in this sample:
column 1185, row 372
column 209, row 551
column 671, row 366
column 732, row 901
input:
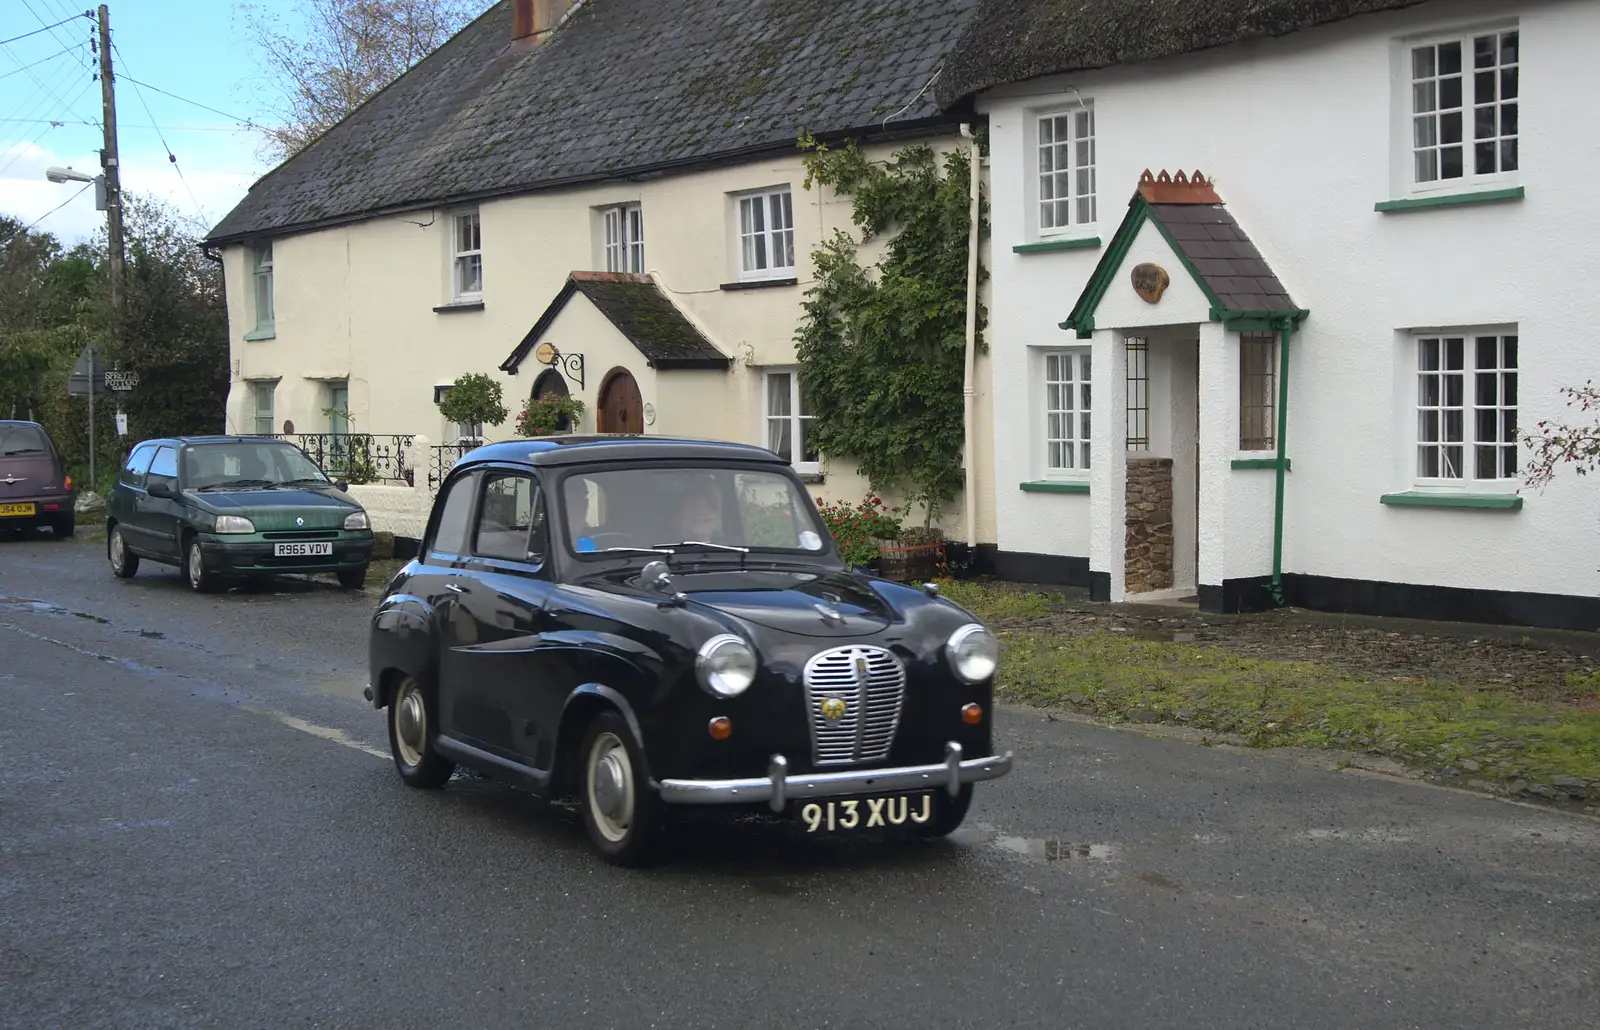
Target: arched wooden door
column 621, row 408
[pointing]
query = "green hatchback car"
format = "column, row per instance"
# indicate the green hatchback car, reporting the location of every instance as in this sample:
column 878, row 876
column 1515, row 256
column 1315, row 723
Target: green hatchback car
column 228, row 506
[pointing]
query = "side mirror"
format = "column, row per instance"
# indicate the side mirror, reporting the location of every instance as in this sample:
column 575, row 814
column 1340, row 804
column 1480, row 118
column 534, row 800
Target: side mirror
column 163, row 488
column 342, row 486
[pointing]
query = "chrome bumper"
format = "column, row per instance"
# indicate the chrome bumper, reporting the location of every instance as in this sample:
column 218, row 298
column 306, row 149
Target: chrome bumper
column 777, row 788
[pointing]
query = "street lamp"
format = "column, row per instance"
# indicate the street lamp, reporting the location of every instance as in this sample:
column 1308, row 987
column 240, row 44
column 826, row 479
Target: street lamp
column 58, row 174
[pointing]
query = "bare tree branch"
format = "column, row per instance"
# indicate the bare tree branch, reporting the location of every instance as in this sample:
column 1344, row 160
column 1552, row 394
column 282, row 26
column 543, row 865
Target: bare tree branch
column 327, row 58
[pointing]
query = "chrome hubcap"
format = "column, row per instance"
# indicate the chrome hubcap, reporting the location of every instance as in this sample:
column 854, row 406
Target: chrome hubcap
column 610, row 786
column 197, row 567
column 410, row 723
column 116, row 550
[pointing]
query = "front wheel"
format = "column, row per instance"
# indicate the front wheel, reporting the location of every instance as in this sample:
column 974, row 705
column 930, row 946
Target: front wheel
column 352, row 579
column 620, row 812
column 948, row 813
column 124, row 563
column 201, row 581
column 411, row 737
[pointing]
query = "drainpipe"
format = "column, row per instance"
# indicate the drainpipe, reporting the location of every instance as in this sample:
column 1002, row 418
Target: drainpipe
column 968, row 389
column 1285, row 328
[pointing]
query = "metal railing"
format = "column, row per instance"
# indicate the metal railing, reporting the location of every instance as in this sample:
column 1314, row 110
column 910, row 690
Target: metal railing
column 444, row 457
column 357, row 457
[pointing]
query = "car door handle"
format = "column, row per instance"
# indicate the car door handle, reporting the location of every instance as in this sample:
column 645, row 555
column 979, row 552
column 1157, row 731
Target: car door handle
column 455, row 589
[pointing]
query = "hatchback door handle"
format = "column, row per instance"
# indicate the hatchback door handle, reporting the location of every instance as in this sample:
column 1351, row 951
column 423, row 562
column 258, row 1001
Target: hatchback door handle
column 457, row 589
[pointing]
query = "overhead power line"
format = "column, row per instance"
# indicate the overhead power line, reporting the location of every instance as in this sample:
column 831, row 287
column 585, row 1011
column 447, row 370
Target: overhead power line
column 47, row 28
column 196, row 103
column 42, row 60
column 29, row 227
column 171, row 157
column 41, row 21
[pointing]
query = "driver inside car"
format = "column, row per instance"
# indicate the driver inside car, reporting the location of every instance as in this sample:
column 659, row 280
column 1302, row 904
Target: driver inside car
column 699, row 517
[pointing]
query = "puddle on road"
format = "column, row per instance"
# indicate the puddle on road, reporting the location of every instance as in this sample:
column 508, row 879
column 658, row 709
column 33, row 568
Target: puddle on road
column 23, row 604
column 1052, row 849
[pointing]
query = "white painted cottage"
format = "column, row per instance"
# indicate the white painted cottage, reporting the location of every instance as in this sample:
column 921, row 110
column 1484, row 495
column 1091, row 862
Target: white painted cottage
column 1350, row 236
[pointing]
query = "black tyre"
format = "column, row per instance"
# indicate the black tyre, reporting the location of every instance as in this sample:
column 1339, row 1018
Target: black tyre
column 124, row 563
column 64, row 526
column 200, row 580
column 411, row 737
column 621, row 813
column 353, row 579
column 948, row 813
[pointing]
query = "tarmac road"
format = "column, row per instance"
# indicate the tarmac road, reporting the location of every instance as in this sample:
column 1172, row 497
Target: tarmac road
column 199, row 826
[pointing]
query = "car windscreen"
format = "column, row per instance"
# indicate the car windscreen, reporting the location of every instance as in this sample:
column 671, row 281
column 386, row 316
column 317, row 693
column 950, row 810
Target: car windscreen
column 687, row 505
column 17, row 439
column 242, row 466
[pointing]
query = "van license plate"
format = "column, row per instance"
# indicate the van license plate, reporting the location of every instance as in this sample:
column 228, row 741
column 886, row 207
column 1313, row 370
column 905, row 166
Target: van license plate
column 16, row 509
column 300, row 550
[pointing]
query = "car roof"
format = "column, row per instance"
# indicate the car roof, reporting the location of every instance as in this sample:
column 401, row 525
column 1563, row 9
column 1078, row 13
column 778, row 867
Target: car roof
column 186, row 440
column 576, row 450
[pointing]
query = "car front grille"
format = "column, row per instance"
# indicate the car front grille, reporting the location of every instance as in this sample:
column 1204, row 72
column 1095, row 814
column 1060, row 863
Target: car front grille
column 303, row 534
column 871, row 684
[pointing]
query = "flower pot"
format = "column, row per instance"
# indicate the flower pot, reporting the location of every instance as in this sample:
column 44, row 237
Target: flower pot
column 907, row 562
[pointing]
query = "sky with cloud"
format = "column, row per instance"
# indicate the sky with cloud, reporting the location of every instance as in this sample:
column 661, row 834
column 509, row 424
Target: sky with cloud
column 185, row 72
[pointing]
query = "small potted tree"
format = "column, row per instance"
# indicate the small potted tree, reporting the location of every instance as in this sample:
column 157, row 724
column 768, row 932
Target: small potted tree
column 474, row 400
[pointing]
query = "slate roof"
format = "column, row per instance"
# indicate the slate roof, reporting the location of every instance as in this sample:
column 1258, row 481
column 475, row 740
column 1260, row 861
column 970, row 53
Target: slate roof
column 634, row 304
column 1015, row 40
column 621, row 88
column 1215, row 251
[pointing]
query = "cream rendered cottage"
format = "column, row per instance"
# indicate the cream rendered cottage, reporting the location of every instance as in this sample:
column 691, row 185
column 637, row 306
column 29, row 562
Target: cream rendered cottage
column 603, row 199
column 1299, row 375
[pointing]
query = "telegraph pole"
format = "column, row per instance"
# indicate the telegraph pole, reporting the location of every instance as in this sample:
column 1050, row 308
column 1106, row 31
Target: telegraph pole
column 113, row 177
column 108, row 161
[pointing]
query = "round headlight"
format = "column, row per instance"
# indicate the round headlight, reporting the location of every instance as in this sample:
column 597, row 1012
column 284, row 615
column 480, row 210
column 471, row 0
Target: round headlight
column 234, row 524
column 974, row 652
column 726, row 665
column 357, row 520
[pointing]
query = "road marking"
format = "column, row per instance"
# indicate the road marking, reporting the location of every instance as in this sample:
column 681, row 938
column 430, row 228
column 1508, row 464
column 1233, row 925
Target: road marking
column 325, row 732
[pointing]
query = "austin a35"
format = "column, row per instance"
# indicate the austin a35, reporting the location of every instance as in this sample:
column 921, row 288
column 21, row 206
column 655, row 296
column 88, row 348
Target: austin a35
column 653, row 625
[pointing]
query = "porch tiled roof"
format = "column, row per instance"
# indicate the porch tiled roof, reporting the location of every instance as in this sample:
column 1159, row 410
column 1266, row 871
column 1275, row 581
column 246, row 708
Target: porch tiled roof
column 1223, row 256
column 635, row 304
column 1236, row 280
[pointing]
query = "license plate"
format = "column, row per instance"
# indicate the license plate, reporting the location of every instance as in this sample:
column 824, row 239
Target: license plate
column 301, row 550
column 16, row 509
column 836, row 815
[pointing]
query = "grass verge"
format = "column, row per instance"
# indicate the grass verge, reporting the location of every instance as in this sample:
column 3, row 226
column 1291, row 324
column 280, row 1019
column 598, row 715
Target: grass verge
column 1552, row 746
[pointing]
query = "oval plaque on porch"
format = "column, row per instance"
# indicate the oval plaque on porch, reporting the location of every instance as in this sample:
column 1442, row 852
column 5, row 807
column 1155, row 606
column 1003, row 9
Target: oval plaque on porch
column 1150, row 281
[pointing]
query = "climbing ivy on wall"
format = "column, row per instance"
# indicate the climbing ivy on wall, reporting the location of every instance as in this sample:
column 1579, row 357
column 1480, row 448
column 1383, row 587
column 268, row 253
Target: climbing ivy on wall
column 881, row 348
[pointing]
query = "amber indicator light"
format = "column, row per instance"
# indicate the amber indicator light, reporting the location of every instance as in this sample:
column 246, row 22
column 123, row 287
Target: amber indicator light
column 721, row 728
column 971, row 714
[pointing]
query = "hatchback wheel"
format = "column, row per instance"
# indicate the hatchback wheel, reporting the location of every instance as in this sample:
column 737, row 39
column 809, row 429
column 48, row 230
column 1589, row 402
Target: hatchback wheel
column 411, row 735
column 64, row 526
column 124, row 563
column 194, row 567
column 620, row 812
column 353, row 579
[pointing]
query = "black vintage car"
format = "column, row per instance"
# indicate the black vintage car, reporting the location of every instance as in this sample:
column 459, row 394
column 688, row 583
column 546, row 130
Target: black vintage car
column 652, row 625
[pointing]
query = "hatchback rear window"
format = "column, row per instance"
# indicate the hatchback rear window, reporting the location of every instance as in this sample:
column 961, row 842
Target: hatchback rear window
column 19, row 439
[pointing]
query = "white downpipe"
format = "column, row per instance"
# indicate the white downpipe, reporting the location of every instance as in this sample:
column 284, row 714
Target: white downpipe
column 969, row 391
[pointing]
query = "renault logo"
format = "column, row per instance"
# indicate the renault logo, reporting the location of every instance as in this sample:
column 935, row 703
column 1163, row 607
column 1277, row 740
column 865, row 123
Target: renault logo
column 299, row 521
column 833, row 708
